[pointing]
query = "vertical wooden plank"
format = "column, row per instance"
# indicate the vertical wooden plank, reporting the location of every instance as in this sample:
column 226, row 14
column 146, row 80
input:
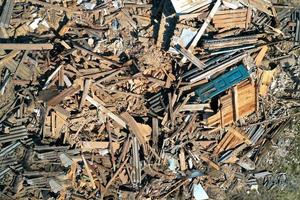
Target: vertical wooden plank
column 87, row 84
column 155, row 132
column 249, row 16
column 259, row 58
column 53, row 123
column 183, row 166
column 61, row 77
column 235, row 103
column 89, row 172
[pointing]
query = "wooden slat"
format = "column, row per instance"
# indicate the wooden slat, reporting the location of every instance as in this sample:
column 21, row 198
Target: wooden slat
column 231, row 25
column 89, row 172
column 221, row 143
column 155, row 132
column 259, row 58
column 230, row 12
column 23, row 46
column 89, row 146
column 52, row 6
column 233, row 144
column 265, row 81
column 235, row 104
column 230, row 16
column 62, row 112
column 193, row 59
column 87, row 84
column 103, row 58
column 230, row 20
column 8, row 57
column 227, row 142
column 182, row 162
column 7, row 13
column 209, row 162
column 67, row 92
column 240, row 134
column 232, row 43
column 134, row 127
column 106, row 111
column 249, row 17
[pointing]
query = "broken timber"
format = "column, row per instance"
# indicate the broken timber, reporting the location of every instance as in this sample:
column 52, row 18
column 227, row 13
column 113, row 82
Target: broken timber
column 22, row 46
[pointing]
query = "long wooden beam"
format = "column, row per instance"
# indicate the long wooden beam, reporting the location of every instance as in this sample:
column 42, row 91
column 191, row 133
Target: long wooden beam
column 26, row 46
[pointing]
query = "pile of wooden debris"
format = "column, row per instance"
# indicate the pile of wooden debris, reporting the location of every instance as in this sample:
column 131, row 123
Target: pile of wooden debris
column 140, row 99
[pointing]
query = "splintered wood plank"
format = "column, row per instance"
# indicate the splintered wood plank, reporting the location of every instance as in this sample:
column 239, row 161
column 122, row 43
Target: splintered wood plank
column 63, row 31
column 221, row 143
column 103, row 58
column 249, row 17
column 54, row 7
column 234, row 143
column 89, row 171
column 107, row 112
column 231, row 25
column 7, row 13
column 114, row 176
column 52, row 75
column 61, row 77
column 182, row 162
column 194, row 107
column 230, row 12
column 227, row 142
column 60, row 122
column 235, row 103
column 230, row 43
column 146, row 129
column 162, row 29
column 205, row 25
column 134, row 127
column 230, row 20
column 87, row 84
column 210, row 163
column 89, row 146
column 53, row 124
column 8, row 57
column 155, row 132
column 171, row 109
column 205, row 144
column 193, row 59
column 266, row 80
column 60, row 97
column 136, row 174
column 23, row 46
column 240, row 134
column 62, row 112
column 129, row 19
column 231, row 16
column 259, row 58
column 125, row 149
